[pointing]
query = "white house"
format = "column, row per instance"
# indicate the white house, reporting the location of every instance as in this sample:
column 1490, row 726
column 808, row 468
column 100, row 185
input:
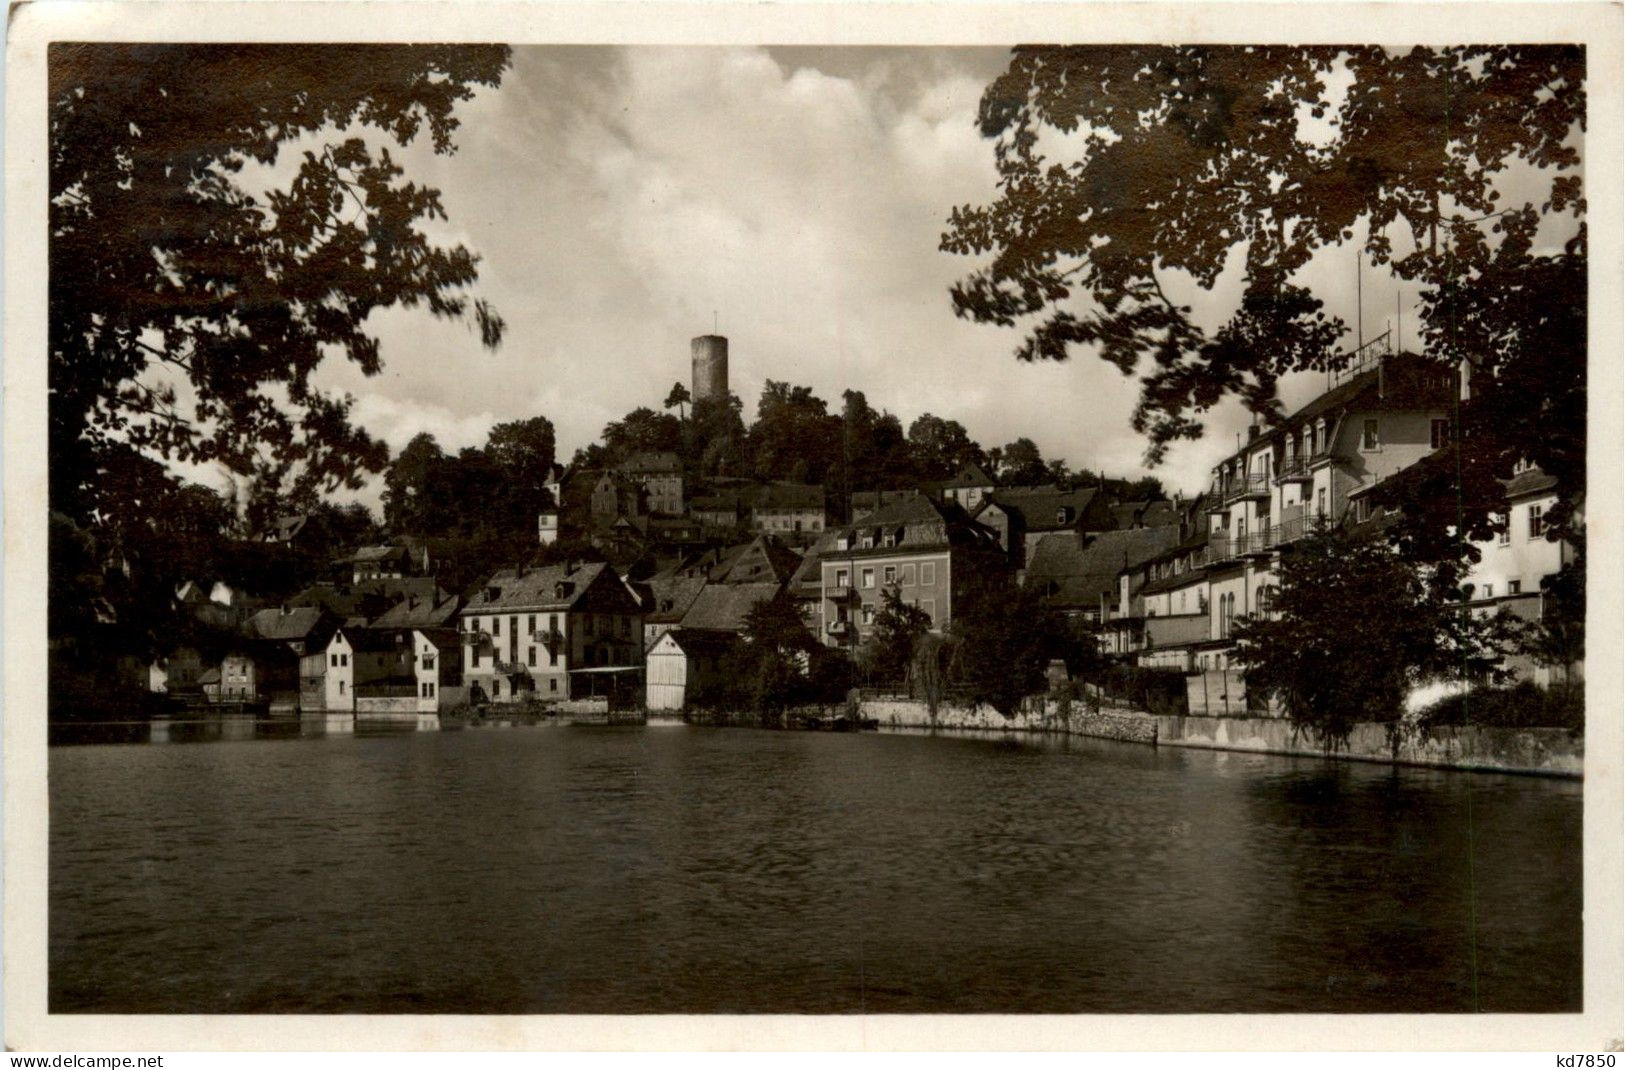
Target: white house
column 681, row 661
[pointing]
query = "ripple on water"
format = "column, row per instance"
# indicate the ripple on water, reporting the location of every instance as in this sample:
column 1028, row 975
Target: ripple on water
column 734, row 871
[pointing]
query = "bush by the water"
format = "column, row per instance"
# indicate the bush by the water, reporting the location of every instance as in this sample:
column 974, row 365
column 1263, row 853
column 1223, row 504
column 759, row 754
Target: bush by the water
column 1159, row 691
column 1524, row 705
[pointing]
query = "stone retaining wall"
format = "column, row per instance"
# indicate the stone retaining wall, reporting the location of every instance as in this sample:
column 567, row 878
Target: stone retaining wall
column 1548, row 751
column 1130, row 726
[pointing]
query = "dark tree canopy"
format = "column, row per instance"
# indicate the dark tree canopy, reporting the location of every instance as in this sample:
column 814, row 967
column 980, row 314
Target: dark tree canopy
column 1192, row 154
column 189, row 309
column 1353, row 628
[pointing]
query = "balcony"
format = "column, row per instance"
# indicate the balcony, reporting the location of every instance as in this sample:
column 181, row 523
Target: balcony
column 1293, row 469
column 1176, row 630
column 1254, row 543
column 511, row 668
column 1228, row 491
column 1222, row 550
column 840, row 592
column 839, row 628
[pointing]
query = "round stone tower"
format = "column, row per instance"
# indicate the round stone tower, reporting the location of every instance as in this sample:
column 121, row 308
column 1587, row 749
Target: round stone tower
column 710, row 352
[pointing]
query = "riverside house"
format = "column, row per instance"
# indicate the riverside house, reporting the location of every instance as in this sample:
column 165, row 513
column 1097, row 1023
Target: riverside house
column 931, row 552
column 549, row 633
column 1383, row 413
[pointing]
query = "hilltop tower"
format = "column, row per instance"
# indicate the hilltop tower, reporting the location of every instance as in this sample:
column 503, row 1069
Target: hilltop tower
column 710, row 353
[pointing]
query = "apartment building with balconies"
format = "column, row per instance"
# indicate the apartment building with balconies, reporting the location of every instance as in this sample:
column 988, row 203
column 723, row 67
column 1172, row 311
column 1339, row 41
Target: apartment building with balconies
column 529, row 633
column 930, row 551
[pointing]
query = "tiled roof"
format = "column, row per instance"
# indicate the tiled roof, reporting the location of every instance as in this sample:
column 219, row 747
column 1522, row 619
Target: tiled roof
column 1041, row 510
column 786, row 496
column 969, row 476
column 1074, row 572
column 670, row 595
column 696, row 640
column 536, row 587
column 369, row 554
column 294, row 623
column 762, row 559
column 723, row 606
column 651, row 463
column 417, row 612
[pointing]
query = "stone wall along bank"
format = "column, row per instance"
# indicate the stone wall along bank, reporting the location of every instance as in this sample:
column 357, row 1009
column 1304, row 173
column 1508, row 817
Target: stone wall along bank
column 1129, row 726
column 1548, row 751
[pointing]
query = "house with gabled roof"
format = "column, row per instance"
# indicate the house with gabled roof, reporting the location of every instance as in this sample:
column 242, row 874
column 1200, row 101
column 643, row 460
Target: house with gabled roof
column 931, row 552
column 543, row 633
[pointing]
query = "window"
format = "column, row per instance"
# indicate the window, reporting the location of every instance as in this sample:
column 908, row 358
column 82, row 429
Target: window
column 840, row 577
column 888, row 575
column 1489, row 590
column 532, row 660
column 1320, row 502
column 868, row 614
column 423, row 691
column 1514, row 587
column 868, row 577
column 496, row 625
column 1368, row 436
column 1440, row 434
column 1537, row 521
column 928, row 574
column 530, row 624
column 553, row 622
column 1505, row 537
column 335, row 661
column 908, row 575
column 1362, row 509
column 344, row 659
column 496, row 688
column 553, row 656
column 929, row 607
column 1521, row 467
column 552, row 685
column 341, row 687
column 431, row 690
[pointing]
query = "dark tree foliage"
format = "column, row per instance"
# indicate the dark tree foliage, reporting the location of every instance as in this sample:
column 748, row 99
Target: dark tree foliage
column 794, row 437
column 1004, row 640
column 1190, row 154
column 898, row 626
column 1354, row 628
column 942, row 447
column 770, row 663
column 678, row 399
column 1020, row 463
column 188, row 308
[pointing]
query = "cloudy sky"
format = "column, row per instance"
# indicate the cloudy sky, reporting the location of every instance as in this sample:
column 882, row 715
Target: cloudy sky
column 622, row 196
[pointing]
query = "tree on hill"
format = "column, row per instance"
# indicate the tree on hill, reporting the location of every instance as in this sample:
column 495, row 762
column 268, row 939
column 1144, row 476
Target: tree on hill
column 794, row 437
column 1190, row 154
column 1020, row 464
column 941, row 447
column 677, row 399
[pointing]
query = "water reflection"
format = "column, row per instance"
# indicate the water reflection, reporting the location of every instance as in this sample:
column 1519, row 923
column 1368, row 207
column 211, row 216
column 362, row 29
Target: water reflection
column 692, row 870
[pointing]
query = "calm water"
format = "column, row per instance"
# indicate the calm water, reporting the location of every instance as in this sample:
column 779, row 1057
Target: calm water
column 715, row 870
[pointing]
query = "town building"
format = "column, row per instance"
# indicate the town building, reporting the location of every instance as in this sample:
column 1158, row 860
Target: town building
column 1022, row 517
column 682, row 663
column 1093, row 578
column 380, row 563
column 1384, row 412
column 532, row 633
column 967, row 488
column 438, row 669
column 932, row 553
column 363, row 663
column 660, row 474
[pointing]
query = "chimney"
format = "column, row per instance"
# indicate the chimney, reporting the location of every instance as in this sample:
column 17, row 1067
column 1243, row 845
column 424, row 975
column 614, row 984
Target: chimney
column 1252, row 432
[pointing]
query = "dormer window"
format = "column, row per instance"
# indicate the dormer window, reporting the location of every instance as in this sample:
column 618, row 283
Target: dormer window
column 1064, row 515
